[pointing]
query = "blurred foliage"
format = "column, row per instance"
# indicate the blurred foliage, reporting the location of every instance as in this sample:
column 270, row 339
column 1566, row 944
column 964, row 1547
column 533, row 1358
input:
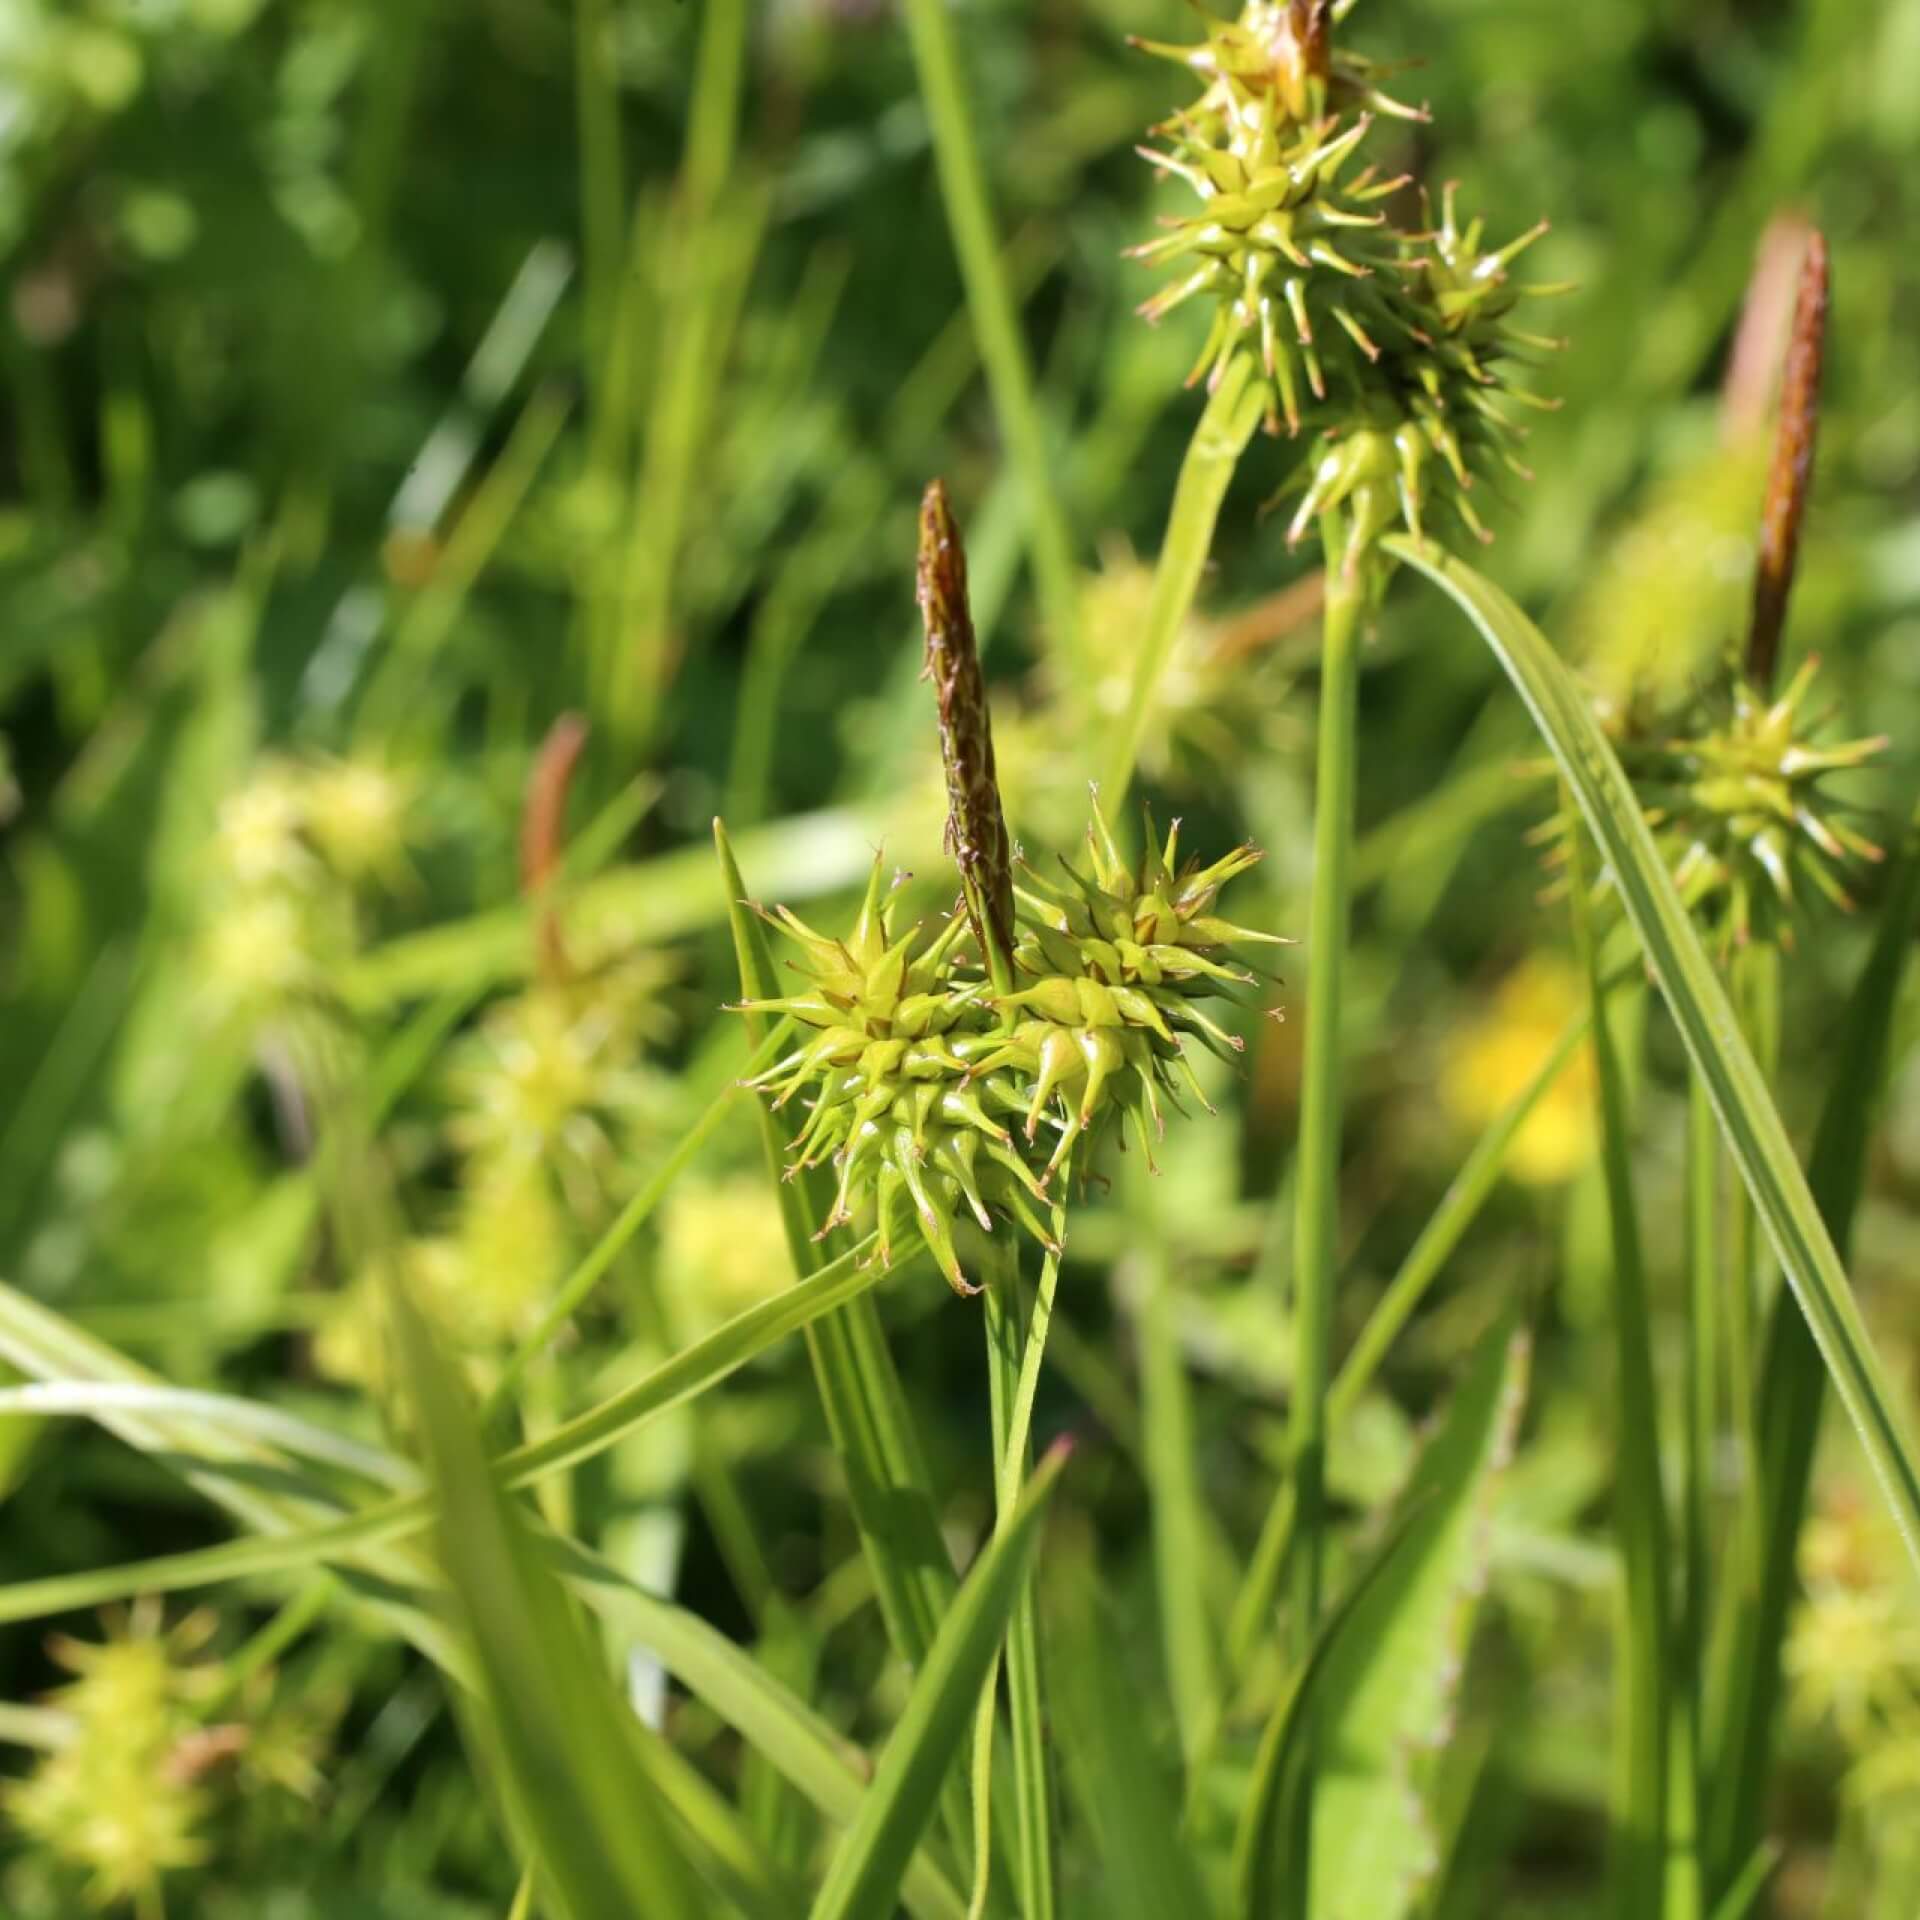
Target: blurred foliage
column 382, row 380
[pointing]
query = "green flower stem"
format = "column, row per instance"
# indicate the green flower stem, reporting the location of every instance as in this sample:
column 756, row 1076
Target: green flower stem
column 1317, row 1215
column 1219, row 439
column 963, row 187
column 1316, row 1242
column 1687, row 1798
column 1013, row 1372
column 1641, row 1754
column 1445, row 1229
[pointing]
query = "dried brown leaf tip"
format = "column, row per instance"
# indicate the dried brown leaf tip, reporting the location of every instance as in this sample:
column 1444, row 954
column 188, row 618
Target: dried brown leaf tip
column 976, row 825
column 543, row 830
column 1791, row 478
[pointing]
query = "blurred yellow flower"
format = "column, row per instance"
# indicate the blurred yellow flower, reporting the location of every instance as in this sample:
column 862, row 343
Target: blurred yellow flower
column 1490, row 1058
column 723, row 1249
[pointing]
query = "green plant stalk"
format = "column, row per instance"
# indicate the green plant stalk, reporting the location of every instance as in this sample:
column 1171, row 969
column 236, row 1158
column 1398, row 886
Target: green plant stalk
column 1446, row 1227
column 1753, row 1620
column 709, row 247
column 868, row 1420
column 1316, row 1247
column 1219, row 438
column 1754, row 983
column 1316, row 1238
column 602, row 198
column 1640, row 1758
column 1687, row 1806
column 990, row 300
column 631, row 1218
column 1179, row 1540
column 1013, row 1369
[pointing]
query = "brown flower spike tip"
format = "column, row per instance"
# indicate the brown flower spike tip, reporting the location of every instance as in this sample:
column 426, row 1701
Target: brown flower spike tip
column 976, row 834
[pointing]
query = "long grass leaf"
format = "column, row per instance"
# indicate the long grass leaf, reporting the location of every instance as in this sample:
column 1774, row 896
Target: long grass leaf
column 571, row 1751
column 674, row 1382
column 996, row 316
column 1753, row 1625
column 1640, row 1518
column 1219, row 439
column 864, row 1878
column 1755, row 1136
column 1390, row 1689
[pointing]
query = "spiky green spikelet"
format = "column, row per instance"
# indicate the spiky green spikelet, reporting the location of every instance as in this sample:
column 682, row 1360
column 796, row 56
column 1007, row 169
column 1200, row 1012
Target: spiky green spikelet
column 901, row 1103
column 1111, row 967
column 1749, row 817
column 1396, row 346
column 1071, row 1008
column 925, row 1085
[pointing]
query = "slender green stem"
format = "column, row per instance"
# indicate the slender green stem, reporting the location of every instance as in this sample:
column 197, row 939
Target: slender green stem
column 1317, row 1216
column 1219, row 439
column 1179, row 1540
column 1686, row 1891
column 1458, row 1209
column 1316, row 1241
column 983, row 271
column 1640, row 1772
column 633, row 1216
column 1013, row 1373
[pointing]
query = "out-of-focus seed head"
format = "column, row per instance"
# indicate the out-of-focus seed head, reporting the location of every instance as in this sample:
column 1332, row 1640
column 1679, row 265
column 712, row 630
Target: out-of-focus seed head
column 1751, row 816
column 1396, row 345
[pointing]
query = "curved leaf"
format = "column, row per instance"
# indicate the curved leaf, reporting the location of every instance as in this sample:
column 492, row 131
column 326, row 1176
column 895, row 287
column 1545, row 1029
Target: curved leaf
column 1755, row 1137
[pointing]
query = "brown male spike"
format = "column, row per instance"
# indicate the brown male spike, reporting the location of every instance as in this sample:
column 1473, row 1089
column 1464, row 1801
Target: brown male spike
column 976, row 825
column 1792, row 476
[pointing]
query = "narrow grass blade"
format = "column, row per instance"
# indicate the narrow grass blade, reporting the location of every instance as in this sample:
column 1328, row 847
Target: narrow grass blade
column 1446, row 1227
column 996, row 317
column 863, row 1881
column 1187, row 1633
column 571, row 1752
column 1390, row 1687
column 1753, row 1623
column 865, row 1405
column 632, row 1217
column 94, row 1400
column 1640, row 1517
column 647, row 901
column 669, row 1385
column 1129, row 1802
column 1755, row 1137
column 1257, row 1876
column 1219, row 439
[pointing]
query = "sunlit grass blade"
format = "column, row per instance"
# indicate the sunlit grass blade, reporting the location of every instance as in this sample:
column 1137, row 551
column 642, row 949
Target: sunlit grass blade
column 645, row 902
column 1642, row 1689
column 1129, row 1803
column 1259, row 1872
column 671, row 1384
column 996, row 317
column 250, row 1419
column 1752, row 1624
column 866, row 1409
column 863, row 1881
column 1755, row 1136
column 570, row 1753
column 1219, row 438
column 1187, row 1633
column 1391, row 1687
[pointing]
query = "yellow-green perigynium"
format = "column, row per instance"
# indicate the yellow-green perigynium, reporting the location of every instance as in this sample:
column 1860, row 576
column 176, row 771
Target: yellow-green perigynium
column 1744, row 806
column 922, row 1083
column 1394, row 345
